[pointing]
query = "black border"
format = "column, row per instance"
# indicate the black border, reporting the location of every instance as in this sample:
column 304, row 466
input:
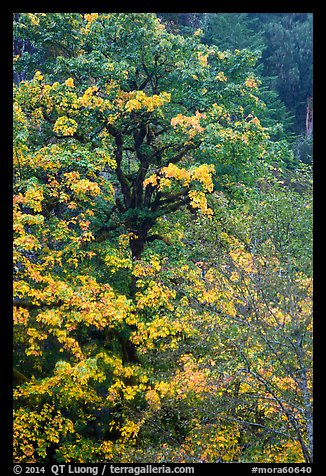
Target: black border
column 6, row 198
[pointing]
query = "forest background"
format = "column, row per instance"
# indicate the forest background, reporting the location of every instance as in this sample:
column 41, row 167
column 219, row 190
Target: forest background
column 163, row 237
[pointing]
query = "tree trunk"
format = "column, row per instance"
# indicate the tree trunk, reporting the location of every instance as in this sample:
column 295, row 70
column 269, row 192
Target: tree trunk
column 137, row 243
column 309, row 118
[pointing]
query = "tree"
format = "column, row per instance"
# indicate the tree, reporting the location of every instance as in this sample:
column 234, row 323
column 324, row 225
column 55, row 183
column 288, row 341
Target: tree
column 232, row 31
column 253, row 293
column 287, row 59
column 122, row 129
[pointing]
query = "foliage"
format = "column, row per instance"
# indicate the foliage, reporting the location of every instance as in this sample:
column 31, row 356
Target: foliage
column 232, row 31
column 287, row 59
column 161, row 253
column 285, row 43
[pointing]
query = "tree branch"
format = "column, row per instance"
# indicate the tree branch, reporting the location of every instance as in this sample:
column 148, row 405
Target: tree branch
column 156, row 236
column 31, row 306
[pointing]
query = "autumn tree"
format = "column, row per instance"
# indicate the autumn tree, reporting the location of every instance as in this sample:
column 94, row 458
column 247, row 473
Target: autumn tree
column 253, row 291
column 120, row 130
